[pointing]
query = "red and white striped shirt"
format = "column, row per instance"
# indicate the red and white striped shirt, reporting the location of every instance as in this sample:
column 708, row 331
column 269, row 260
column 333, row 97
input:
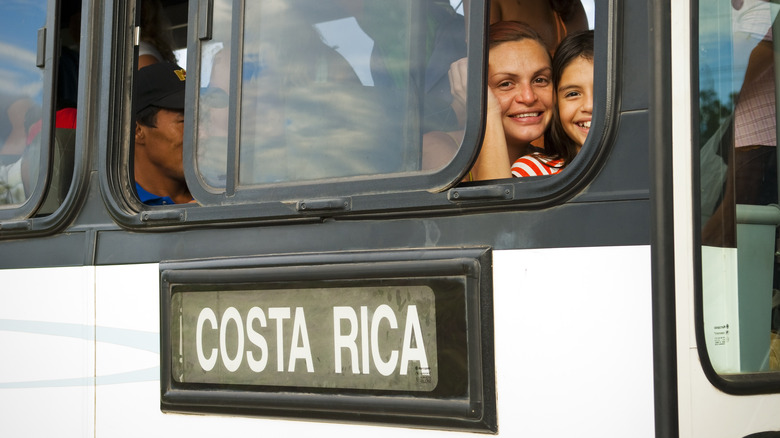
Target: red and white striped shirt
column 536, row 164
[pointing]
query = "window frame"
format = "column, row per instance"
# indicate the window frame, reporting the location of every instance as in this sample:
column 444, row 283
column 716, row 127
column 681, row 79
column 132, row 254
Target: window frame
column 394, row 194
column 20, row 220
column 749, row 383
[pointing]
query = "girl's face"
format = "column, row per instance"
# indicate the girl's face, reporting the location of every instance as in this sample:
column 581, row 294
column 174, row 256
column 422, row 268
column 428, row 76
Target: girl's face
column 575, row 99
column 519, row 74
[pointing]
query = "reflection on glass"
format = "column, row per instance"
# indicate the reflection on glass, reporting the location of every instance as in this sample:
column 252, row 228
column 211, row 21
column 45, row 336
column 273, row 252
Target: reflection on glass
column 215, row 71
column 738, row 158
column 20, row 93
column 328, row 89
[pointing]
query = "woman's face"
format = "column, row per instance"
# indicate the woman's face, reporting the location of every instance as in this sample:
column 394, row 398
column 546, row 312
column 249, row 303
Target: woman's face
column 575, row 99
column 520, row 76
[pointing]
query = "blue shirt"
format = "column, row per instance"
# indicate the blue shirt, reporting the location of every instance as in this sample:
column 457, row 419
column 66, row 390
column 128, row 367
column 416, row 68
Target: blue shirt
column 150, row 198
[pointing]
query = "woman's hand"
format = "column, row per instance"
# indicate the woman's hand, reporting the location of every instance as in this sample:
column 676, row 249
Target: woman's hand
column 493, row 106
column 493, row 160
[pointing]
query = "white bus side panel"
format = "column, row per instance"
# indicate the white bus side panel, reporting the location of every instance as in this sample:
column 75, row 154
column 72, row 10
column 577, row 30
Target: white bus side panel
column 573, row 352
column 48, row 354
column 574, row 342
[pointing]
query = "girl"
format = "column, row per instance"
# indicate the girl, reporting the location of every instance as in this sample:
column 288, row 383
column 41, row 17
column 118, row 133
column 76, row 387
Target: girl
column 573, row 83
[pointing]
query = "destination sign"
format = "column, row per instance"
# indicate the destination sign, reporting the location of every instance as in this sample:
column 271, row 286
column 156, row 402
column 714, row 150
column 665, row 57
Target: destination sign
column 381, row 337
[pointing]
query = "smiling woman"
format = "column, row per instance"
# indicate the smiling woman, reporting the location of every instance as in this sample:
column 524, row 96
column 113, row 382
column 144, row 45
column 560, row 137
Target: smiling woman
column 519, row 101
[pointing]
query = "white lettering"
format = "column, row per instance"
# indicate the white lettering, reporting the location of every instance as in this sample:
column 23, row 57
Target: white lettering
column 346, row 341
column 410, row 353
column 300, row 335
column 383, row 312
column 231, row 314
column 279, row 314
column 256, row 313
column 364, row 338
column 382, row 346
column 206, row 363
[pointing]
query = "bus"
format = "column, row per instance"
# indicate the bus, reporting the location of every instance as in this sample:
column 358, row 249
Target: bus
column 325, row 282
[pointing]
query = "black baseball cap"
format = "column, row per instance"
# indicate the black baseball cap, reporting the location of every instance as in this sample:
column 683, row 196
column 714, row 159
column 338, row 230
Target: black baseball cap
column 161, row 85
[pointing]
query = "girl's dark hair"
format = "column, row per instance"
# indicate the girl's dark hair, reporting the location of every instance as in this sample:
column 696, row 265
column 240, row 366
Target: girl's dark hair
column 574, row 46
column 506, row 31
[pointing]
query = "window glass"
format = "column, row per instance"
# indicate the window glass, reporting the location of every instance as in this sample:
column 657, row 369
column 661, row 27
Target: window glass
column 738, row 158
column 22, row 99
column 212, row 139
column 324, row 89
column 21, row 94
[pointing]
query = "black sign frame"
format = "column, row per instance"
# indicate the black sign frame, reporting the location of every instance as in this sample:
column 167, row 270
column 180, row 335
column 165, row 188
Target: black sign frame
column 467, row 403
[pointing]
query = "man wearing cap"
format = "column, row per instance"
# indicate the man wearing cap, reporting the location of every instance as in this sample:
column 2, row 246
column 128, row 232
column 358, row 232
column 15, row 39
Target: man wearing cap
column 159, row 135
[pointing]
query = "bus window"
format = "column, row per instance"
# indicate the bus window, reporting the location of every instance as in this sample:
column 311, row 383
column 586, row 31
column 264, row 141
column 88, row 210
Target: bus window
column 328, row 100
column 739, row 186
column 345, row 88
column 21, row 97
column 26, row 143
column 320, row 90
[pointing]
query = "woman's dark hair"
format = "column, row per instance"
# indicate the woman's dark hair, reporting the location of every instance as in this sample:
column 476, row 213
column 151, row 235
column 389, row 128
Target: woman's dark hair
column 574, row 46
column 506, row 31
column 564, row 8
column 155, row 29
